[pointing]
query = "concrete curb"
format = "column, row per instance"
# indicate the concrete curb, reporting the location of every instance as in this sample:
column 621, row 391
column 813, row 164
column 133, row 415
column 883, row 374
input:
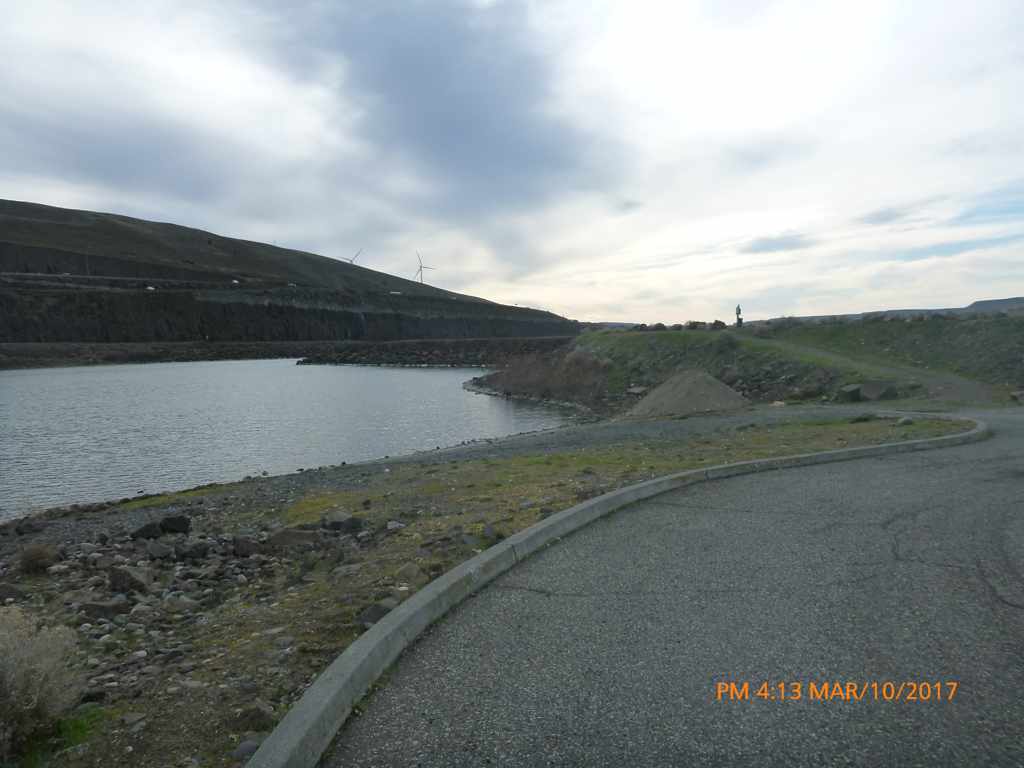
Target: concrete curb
column 301, row 738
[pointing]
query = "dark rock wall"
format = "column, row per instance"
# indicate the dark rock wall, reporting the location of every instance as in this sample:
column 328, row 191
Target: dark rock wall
column 53, row 315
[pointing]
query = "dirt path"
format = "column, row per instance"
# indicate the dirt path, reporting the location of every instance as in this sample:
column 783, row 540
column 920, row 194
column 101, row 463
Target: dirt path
column 940, row 385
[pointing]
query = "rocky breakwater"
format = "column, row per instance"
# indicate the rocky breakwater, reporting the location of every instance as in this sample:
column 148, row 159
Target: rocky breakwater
column 486, row 352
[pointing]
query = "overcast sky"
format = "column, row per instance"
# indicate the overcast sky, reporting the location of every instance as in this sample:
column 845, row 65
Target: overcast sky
column 633, row 160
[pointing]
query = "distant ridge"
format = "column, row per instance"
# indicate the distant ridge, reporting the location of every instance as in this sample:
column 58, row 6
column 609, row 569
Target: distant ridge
column 1013, row 305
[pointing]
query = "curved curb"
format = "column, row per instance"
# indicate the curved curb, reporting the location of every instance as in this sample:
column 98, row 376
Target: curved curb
column 305, row 733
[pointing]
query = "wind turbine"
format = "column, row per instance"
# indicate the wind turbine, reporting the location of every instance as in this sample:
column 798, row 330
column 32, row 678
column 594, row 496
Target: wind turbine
column 353, row 259
column 419, row 272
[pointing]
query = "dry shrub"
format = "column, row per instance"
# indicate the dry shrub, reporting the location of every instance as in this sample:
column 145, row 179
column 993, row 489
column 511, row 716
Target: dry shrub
column 36, row 686
column 36, row 558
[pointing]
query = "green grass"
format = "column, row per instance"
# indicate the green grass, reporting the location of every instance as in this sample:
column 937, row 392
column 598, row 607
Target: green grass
column 70, row 732
column 987, row 348
column 163, row 499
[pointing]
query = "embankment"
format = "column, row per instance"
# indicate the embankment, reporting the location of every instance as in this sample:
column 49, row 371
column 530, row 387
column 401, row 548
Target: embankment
column 609, row 371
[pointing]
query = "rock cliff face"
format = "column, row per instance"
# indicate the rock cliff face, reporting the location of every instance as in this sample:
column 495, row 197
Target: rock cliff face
column 77, row 276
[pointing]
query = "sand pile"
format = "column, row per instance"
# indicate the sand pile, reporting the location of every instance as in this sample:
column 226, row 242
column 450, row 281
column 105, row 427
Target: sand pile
column 685, row 393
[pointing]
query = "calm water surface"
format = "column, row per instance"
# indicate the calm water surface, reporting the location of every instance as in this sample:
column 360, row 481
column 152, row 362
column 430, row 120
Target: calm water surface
column 72, row 435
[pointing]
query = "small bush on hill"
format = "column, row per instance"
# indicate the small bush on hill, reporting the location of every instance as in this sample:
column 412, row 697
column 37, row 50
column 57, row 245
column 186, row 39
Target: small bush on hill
column 36, row 686
column 36, row 558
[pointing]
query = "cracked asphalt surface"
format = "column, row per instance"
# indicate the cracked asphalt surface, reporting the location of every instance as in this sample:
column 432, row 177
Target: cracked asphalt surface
column 606, row 649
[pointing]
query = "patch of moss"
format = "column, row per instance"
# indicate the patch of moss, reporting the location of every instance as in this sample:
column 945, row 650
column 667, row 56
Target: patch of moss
column 162, row 499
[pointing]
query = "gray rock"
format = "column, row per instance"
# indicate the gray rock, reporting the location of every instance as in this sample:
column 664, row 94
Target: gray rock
column 130, row 580
column 246, row 546
column 879, row 390
column 148, row 531
column 180, row 604
column 395, row 525
column 374, row 613
column 848, row 394
column 410, row 572
column 257, row 716
column 176, row 524
column 906, row 421
column 193, row 549
column 1017, row 397
column 347, row 570
column 158, row 551
column 292, row 538
column 107, row 609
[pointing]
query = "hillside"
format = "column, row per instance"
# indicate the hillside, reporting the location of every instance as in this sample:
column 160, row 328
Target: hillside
column 987, row 348
column 936, row 359
column 1011, row 306
column 80, row 276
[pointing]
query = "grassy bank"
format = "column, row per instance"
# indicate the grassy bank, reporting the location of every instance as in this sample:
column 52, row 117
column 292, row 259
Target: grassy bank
column 602, row 368
column 263, row 625
column 987, row 348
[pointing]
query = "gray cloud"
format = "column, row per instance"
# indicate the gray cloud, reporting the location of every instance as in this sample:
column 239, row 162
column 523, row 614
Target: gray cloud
column 954, row 248
column 765, row 153
column 885, row 215
column 457, row 91
column 120, row 150
column 794, row 242
column 1001, row 205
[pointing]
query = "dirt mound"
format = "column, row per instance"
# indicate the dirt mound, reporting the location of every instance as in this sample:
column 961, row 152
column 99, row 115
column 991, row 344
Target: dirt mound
column 688, row 392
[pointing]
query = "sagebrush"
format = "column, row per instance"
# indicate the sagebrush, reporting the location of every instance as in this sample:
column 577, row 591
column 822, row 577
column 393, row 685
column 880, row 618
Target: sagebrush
column 36, row 558
column 36, row 685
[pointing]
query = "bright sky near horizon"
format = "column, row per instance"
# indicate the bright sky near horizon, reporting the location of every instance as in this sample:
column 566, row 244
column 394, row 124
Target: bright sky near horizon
column 608, row 160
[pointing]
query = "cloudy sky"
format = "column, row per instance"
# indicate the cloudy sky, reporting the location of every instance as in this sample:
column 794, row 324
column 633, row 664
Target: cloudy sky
column 609, row 160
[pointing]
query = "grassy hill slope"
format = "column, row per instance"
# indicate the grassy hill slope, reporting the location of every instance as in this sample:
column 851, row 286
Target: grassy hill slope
column 987, row 348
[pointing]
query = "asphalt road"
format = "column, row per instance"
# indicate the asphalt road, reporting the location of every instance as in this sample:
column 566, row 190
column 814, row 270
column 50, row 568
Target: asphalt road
column 607, row 649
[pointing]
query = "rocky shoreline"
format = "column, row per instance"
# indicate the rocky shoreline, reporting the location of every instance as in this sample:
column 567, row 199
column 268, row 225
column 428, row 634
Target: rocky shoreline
column 477, row 386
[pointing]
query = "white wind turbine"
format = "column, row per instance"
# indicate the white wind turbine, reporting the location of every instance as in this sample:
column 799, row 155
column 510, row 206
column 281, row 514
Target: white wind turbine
column 419, row 272
column 353, row 259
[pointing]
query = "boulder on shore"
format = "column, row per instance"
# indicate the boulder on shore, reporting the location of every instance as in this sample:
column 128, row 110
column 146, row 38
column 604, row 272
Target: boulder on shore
column 879, row 390
column 850, row 393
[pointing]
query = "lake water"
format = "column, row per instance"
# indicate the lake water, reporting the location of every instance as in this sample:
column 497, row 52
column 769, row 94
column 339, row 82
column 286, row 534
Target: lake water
column 72, row 435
